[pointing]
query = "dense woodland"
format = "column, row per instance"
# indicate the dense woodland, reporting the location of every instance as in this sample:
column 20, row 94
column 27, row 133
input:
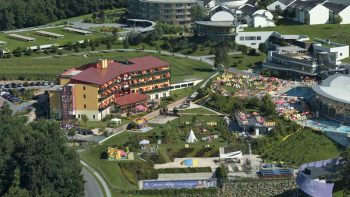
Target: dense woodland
column 35, row 159
column 27, row 13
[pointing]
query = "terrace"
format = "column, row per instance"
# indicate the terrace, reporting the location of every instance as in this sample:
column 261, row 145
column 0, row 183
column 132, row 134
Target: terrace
column 79, row 31
column 49, row 34
column 22, row 38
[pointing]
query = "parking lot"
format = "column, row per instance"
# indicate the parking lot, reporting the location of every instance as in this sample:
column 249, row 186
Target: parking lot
column 27, row 84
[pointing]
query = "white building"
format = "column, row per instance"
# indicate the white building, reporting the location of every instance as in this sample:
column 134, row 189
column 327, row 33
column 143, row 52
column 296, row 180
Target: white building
column 262, row 18
column 254, row 17
column 341, row 51
column 279, row 5
column 309, row 12
column 254, row 38
column 336, row 10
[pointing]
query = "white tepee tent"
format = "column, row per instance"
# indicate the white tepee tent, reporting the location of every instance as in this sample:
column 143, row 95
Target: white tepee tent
column 191, row 138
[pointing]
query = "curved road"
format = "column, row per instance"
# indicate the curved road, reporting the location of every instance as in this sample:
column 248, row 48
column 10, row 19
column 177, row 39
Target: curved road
column 92, row 189
column 91, row 186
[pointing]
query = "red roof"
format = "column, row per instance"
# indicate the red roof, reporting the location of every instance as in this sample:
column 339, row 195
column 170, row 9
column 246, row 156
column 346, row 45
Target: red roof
column 100, row 76
column 130, row 99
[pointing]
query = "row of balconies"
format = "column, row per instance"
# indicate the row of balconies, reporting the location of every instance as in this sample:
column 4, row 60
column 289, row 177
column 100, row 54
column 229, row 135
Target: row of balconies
column 164, row 79
column 137, row 76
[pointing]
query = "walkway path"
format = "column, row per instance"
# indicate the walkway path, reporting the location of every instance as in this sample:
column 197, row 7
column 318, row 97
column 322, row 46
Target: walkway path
column 104, row 184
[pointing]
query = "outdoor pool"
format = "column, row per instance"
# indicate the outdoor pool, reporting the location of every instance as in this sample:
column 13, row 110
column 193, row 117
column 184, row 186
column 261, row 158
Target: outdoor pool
column 325, row 125
column 304, row 92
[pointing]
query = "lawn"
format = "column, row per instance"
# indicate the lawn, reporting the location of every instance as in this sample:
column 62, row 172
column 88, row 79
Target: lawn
column 47, row 68
column 110, row 170
column 302, row 147
column 199, row 111
column 243, row 62
column 326, row 31
column 42, row 40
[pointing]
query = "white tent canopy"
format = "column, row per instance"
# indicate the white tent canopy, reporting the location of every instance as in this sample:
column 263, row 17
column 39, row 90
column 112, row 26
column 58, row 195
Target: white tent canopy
column 144, row 142
column 116, row 121
column 191, row 138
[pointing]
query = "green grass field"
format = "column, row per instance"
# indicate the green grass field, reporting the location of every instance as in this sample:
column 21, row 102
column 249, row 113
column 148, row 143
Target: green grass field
column 48, row 68
column 244, row 61
column 42, row 40
column 326, row 31
column 199, row 111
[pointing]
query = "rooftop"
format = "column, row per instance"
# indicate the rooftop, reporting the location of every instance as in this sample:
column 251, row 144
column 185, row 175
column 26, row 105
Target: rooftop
column 130, row 99
column 170, row 1
column 91, row 73
column 216, row 23
column 248, row 9
column 333, row 86
column 334, row 7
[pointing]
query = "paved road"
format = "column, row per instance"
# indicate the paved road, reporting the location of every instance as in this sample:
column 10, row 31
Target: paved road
column 16, row 108
column 92, row 189
column 104, row 184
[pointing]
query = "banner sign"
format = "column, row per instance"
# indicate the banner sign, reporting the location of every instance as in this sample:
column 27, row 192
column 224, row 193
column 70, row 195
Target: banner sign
column 177, row 184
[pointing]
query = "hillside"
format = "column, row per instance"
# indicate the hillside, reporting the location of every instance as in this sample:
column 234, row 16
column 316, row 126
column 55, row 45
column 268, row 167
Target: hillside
column 302, row 147
column 26, row 13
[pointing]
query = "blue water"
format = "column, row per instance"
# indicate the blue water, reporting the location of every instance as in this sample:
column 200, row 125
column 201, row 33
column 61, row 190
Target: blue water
column 344, row 129
column 327, row 125
column 304, row 92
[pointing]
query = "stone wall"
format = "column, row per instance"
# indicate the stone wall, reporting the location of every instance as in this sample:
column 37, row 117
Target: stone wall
column 257, row 188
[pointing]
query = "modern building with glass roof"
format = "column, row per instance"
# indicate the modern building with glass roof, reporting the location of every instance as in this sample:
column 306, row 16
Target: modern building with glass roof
column 333, row 97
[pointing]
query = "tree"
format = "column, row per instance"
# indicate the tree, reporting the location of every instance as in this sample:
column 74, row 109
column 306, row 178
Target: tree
column 247, row 166
column 35, row 159
column 69, row 46
column 345, row 171
column 243, row 49
column 29, row 52
column 221, row 56
column 338, row 20
column 108, row 44
column 267, row 106
column 76, row 47
column 126, row 43
column 197, row 12
column 84, row 118
column 262, row 47
column 54, row 49
column 17, row 52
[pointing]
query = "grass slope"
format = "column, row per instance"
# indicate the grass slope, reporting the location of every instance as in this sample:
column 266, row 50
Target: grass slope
column 302, row 147
column 42, row 40
column 49, row 67
column 330, row 31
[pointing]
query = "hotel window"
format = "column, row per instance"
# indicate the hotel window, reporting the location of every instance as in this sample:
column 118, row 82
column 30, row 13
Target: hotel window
column 83, row 87
column 258, row 37
column 93, row 116
column 241, row 38
column 84, row 106
column 84, row 95
column 78, row 115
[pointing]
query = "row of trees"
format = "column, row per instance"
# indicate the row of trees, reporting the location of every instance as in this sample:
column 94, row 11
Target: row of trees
column 35, row 161
column 27, row 13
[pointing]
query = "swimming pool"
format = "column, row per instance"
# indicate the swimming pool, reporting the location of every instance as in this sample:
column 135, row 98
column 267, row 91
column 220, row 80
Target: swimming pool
column 304, row 92
column 325, row 125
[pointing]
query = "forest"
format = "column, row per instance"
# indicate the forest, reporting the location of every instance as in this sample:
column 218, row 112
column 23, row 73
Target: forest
column 28, row 13
column 35, row 159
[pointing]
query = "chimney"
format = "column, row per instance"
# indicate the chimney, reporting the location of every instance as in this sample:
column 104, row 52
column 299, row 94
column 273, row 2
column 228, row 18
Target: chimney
column 103, row 63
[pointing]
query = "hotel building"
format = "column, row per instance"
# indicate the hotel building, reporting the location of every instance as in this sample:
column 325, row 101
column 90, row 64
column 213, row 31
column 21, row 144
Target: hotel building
column 98, row 88
column 175, row 12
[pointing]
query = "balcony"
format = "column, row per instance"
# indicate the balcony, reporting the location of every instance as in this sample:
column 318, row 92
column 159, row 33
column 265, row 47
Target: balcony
column 140, row 84
column 137, row 76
